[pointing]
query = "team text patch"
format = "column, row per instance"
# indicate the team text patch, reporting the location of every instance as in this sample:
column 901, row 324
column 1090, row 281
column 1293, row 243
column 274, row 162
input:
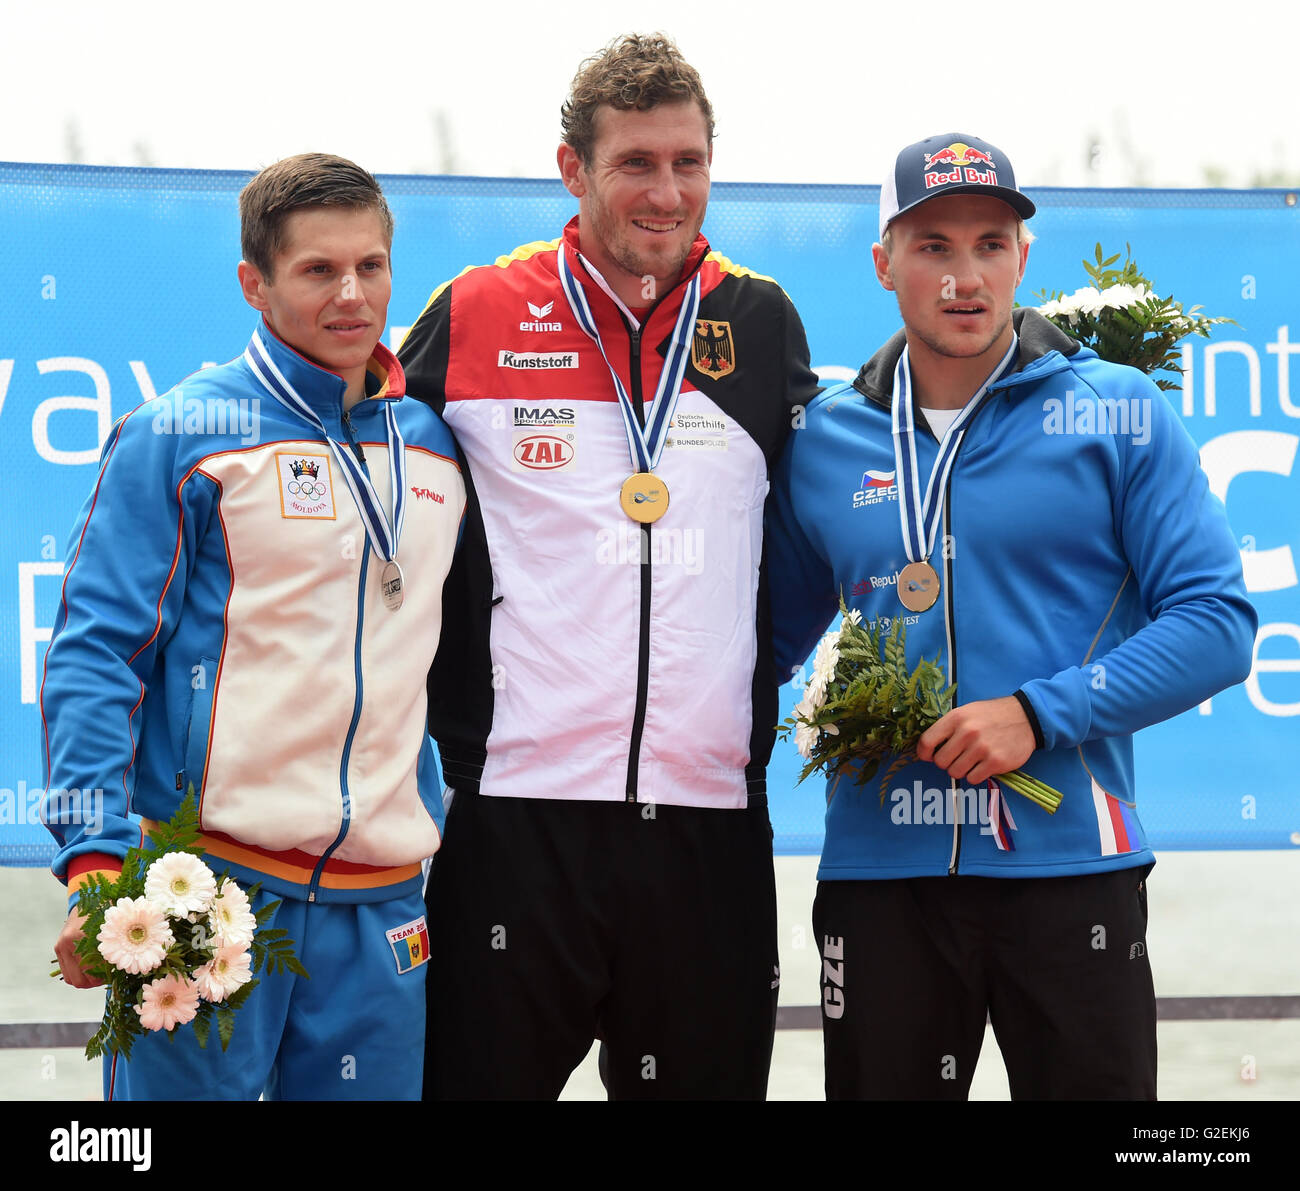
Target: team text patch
column 410, row 944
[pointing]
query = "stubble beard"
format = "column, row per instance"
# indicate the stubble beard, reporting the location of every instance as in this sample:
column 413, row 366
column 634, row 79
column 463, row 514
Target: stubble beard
column 940, row 349
column 663, row 271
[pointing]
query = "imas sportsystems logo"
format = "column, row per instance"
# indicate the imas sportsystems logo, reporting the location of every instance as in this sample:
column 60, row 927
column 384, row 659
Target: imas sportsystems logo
column 877, row 488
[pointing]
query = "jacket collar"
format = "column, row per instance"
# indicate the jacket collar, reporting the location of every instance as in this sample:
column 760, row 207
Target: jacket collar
column 320, row 388
column 1044, row 348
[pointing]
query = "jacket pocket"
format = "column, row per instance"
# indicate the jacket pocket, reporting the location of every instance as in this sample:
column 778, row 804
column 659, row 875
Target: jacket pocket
column 202, row 683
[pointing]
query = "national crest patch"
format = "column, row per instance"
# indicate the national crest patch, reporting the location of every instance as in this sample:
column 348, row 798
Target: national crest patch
column 306, row 485
column 713, row 351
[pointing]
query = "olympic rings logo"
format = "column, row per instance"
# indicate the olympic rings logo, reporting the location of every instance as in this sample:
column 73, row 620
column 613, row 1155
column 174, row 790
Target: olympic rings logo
column 307, row 489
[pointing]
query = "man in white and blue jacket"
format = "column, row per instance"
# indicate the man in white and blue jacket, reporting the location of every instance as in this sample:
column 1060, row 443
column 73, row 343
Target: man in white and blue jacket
column 1039, row 520
column 252, row 599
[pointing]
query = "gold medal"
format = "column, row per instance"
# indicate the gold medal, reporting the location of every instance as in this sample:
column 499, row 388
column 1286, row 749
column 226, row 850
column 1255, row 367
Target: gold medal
column 644, row 497
column 918, row 586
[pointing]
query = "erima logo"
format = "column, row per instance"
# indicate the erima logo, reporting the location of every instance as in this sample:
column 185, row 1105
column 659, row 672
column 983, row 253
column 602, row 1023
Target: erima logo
column 539, row 313
column 531, row 360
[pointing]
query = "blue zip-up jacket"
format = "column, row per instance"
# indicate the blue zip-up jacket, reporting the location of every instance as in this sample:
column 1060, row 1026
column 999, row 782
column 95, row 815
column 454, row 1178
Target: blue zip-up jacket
column 1085, row 567
column 222, row 625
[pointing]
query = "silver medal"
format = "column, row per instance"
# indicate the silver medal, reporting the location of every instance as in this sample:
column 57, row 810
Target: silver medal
column 390, row 586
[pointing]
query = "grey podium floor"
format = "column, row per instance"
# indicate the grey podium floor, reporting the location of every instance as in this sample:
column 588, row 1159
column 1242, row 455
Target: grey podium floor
column 1222, row 924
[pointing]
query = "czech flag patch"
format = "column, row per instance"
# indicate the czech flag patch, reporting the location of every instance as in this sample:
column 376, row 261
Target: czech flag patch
column 410, row 944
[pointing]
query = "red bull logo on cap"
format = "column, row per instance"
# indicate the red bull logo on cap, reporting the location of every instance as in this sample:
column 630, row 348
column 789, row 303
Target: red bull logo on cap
column 964, row 161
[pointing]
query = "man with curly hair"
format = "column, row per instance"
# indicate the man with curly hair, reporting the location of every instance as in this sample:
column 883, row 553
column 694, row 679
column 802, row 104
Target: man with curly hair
column 604, row 699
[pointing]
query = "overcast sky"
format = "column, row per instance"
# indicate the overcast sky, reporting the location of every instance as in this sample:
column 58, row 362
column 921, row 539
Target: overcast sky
column 805, row 91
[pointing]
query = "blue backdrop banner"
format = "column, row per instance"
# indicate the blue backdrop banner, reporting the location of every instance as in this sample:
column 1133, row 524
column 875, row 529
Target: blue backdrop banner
column 117, row 283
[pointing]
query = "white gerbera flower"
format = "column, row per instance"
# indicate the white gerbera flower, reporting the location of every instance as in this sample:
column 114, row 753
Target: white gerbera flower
column 180, row 883
column 827, row 658
column 228, row 970
column 805, row 738
column 805, row 734
column 852, row 616
column 1087, row 300
column 232, row 920
column 1121, row 297
column 135, row 935
column 168, row 1003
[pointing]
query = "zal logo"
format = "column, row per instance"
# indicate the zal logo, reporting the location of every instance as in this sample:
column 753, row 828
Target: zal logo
column 543, row 452
column 536, row 323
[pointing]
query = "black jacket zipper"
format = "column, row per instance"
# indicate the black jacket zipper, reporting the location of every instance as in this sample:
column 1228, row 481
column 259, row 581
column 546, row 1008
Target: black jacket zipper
column 643, row 643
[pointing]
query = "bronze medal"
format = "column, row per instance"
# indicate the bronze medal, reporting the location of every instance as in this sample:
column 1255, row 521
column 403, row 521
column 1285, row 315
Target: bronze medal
column 918, row 586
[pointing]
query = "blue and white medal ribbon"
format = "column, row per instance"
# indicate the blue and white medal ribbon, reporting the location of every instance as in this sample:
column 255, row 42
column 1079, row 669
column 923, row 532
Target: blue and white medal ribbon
column 383, row 534
column 644, row 496
column 918, row 582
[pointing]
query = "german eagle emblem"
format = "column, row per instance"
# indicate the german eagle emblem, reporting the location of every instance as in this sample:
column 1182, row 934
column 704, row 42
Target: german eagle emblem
column 712, row 350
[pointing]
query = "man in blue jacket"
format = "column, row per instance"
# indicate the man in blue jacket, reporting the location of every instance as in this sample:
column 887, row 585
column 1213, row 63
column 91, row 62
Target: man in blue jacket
column 1078, row 582
column 252, row 599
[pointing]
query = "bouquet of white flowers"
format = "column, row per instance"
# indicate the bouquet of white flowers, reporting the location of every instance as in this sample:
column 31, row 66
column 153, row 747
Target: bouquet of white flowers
column 862, row 705
column 1123, row 320
column 174, row 943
